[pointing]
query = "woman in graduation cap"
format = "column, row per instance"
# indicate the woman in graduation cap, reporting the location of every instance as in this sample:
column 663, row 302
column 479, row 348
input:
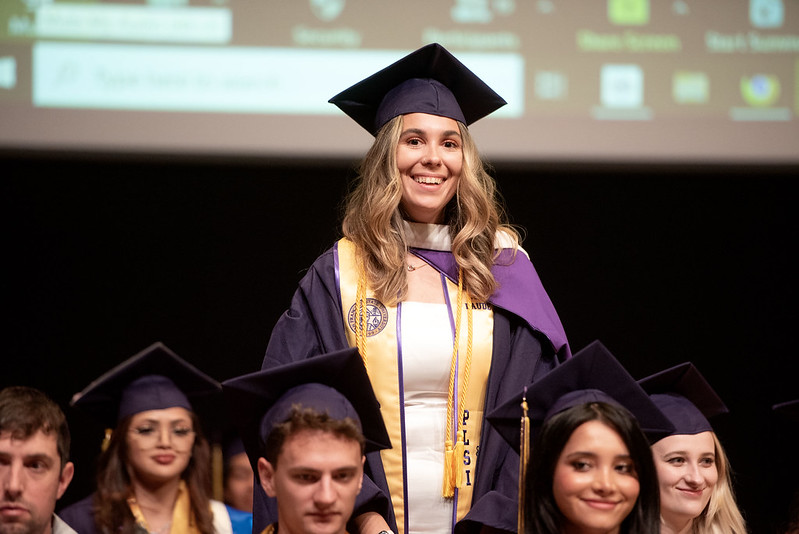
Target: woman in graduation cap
column 590, row 469
column 696, row 495
column 429, row 282
column 154, row 474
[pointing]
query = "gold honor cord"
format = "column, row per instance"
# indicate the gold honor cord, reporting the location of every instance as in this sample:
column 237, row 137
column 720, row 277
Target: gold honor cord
column 453, row 473
column 106, row 439
column 360, row 296
column 524, row 457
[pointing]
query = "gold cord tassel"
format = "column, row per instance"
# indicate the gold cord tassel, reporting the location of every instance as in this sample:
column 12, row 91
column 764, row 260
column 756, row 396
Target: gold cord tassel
column 106, row 439
column 457, row 464
column 453, row 459
column 360, row 297
column 449, row 460
column 524, row 457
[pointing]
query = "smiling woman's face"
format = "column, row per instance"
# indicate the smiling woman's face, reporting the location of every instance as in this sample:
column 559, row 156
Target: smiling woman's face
column 429, row 159
column 160, row 444
column 687, row 473
column 595, row 484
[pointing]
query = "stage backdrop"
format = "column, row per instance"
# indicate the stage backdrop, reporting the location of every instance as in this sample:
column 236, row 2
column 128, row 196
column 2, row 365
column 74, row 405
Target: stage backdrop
column 663, row 264
column 629, row 80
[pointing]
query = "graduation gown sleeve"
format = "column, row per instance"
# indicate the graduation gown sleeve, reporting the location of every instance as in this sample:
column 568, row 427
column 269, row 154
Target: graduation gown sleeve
column 314, row 325
column 80, row 516
column 520, row 357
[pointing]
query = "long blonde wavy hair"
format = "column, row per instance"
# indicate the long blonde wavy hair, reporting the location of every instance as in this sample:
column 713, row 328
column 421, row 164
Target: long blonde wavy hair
column 373, row 219
column 721, row 515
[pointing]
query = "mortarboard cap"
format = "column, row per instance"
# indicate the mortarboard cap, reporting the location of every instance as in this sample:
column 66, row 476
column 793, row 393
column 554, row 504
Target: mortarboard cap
column 789, row 409
column 336, row 383
column 685, row 397
column 154, row 379
column 233, row 446
column 429, row 80
column 591, row 375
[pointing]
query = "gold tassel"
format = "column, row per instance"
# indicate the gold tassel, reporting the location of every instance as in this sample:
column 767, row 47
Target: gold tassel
column 448, row 489
column 360, row 297
column 524, row 457
column 457, row 464
column 106, row 439
column 453, row 459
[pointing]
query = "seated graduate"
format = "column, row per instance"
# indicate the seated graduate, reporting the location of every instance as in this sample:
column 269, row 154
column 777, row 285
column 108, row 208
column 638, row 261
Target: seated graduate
column 154, row 475
column 696, row 494
column 237, row 484
column 306, row 427
column 237, row 476
column 590, row 469
column 34, row 462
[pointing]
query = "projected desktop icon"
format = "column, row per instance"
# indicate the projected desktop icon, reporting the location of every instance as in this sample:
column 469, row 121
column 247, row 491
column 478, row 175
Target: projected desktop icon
column 628, row 12
column 327, row 10
column 8, row 72
column 471, row 11
column 766, row 13
column 621, row 86
column 760, row 90
column 551, row 85
column 689, row 87
column 480, row 11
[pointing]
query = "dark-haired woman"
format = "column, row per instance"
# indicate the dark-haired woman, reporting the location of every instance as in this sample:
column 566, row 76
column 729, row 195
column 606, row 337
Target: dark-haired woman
column 591, row 472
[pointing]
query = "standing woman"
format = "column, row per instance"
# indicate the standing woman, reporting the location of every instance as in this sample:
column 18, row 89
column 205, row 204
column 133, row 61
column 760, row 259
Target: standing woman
column 154, row 475
column 696, row 495
column 590, row 470
column 429, row 282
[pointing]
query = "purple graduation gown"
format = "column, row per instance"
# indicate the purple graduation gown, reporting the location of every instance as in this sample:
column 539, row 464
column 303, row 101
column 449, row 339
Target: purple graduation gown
column 529, row 341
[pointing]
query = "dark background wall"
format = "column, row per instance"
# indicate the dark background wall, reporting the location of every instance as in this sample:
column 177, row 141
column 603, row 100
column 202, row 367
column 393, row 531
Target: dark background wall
column 104, row 255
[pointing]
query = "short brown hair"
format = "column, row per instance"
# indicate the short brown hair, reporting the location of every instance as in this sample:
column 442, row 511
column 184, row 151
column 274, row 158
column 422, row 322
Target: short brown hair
column 25, row 410
column 310, row 419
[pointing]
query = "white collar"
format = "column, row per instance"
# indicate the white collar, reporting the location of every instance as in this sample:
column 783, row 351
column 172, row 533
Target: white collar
column 436, row 237
column 427, row 236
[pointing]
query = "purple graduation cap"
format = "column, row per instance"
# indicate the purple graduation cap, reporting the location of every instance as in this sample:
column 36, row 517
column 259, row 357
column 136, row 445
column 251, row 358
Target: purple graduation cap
column 335, row 383
column 685, row 397
column 789, row 409
column 591, row 375
column 154, row 379
column 430, row 80
column 233, row 446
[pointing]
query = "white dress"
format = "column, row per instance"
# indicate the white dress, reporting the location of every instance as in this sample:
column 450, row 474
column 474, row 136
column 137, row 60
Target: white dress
column 426, row 356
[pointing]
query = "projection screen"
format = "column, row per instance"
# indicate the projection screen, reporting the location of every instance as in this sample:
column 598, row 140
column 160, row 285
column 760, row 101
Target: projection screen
column 595, row 80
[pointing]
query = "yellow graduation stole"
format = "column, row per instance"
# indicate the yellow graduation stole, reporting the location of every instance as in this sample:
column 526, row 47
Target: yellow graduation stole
column 380, row 347
column 182, row 517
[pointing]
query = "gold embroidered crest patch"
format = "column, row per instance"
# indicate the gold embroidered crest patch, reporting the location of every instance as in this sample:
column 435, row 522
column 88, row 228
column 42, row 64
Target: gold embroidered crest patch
column 376, row 317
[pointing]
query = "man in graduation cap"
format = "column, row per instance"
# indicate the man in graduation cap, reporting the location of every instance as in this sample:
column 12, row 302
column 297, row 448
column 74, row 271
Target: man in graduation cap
column 431, row 285
column 306, row 428
column 34, row 462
